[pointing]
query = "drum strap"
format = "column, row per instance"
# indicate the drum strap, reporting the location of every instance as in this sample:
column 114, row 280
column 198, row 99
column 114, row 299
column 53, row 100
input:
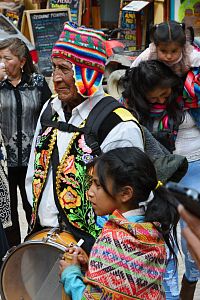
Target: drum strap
column 64, row 223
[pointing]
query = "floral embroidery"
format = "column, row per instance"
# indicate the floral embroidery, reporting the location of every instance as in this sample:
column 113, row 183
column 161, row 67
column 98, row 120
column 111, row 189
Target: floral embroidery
column 69, row 198
column 81, row 216
column 87, row 158
column 43, row 158
column 37, row 187
column 82, row 145
column 47, row 131
column 72, row 180
column 70, row 168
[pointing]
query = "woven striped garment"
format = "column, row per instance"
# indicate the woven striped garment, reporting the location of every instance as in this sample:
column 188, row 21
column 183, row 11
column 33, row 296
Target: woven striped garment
column 127, row 261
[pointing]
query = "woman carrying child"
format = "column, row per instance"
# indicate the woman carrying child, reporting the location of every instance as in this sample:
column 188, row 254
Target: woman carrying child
column 170, row 109
column 128, row 259
column 170, row 45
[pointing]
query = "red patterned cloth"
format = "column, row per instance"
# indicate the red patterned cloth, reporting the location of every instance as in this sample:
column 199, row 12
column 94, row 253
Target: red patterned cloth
column 128, row 261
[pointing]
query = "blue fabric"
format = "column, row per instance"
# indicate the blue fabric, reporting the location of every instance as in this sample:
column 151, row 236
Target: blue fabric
column 72, row 280
column 170, row 281
column 135, row 219
column 192, row 273
column 190, row 180
column 101, row 220
column 195, row 113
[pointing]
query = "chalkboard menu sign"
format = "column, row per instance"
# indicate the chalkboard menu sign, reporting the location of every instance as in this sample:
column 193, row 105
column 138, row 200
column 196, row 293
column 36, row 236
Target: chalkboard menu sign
column 74, row 5
column 43, row 28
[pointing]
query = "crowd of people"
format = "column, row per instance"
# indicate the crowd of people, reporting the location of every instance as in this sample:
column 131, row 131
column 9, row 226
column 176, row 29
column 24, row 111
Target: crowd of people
column 81, row 163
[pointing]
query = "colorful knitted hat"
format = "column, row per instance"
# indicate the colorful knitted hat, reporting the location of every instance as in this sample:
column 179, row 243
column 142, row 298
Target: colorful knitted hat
column 191, row 92
column 85, row 49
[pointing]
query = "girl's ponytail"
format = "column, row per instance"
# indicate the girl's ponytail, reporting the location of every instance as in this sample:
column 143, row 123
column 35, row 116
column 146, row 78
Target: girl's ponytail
column 191, row 34
column 183, row 26
column 161, row 210
column 152, row 30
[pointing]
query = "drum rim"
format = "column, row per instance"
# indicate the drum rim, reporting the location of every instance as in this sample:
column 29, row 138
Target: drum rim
column 48, row 243
column 31, row 235
column 22, row 245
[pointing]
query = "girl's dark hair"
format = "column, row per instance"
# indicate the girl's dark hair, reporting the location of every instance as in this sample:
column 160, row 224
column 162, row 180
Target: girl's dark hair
column 171, row 31
column 130, row 166
column 146, row 77
column 19, row 49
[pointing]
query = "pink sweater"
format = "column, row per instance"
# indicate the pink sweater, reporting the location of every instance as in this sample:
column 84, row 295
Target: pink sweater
column 190, row 58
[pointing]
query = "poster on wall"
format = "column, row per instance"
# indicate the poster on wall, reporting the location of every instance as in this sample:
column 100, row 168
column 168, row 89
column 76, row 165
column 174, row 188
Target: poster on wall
column 131, row 18
column 188, row 11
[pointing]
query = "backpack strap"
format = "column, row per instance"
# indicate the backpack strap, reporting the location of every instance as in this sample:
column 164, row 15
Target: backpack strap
column 104, row 116
column 46, row 121
column 95, row 119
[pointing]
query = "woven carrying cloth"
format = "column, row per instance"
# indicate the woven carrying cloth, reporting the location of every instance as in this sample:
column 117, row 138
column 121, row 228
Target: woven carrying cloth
column 85, row 49
column 127, row 261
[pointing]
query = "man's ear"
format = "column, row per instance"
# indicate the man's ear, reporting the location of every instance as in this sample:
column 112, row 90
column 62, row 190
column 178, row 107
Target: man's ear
column 126, row 193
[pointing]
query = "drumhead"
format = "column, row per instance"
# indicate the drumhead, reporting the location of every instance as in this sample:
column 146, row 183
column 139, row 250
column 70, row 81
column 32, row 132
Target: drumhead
column 30, row 272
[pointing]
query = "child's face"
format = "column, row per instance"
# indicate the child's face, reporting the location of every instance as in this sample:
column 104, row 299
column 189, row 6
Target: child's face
column 159, row 95
column 102, row 203
column 169, row 53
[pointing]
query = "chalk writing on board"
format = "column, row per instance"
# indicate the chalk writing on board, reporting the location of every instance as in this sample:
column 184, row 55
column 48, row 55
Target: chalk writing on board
column 46, row 28
column 74, row 6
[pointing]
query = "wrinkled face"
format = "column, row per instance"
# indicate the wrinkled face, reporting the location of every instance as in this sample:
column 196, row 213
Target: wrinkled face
column 64, row 82
column 169, row 53
column 102, row 202
column 159, row 95
column 13, row 64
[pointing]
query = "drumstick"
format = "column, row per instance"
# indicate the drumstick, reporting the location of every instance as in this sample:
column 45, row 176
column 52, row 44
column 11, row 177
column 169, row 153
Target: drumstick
column 79, row 244
column 66, row 255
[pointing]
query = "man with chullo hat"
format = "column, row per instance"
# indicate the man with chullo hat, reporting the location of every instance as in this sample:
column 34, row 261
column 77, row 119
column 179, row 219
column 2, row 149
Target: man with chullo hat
column 57, row 180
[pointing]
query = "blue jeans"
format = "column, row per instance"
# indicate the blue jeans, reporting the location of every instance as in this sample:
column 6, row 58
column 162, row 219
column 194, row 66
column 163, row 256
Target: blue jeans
column 170, row 281
column 190, row 180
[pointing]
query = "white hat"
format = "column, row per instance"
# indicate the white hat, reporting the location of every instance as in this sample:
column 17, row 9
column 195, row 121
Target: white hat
column 114, row 86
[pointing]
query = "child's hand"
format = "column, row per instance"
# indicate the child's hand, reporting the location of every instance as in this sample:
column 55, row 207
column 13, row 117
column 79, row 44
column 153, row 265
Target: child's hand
column 82, row 256
column 73, row 256
column 68, row 260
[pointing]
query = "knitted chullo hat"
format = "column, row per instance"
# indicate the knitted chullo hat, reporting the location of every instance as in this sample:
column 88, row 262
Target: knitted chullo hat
column 85, row 49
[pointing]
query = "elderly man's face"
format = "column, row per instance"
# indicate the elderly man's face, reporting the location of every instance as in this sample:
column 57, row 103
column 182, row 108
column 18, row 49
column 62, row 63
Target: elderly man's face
column 64, row 82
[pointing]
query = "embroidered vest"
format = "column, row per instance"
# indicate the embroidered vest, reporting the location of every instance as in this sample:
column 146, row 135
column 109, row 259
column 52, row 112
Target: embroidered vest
column 72, row 180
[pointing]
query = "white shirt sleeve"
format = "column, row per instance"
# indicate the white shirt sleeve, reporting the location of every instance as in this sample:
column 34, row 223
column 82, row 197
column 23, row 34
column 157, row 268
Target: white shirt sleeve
column 143, row 56
column 195, row 58
column 125, row 134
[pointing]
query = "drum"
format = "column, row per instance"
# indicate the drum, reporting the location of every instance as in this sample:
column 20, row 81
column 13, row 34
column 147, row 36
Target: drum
column 30, row 271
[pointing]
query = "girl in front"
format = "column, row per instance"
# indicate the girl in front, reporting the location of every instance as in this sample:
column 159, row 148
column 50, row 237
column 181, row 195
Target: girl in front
column 128, row 259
